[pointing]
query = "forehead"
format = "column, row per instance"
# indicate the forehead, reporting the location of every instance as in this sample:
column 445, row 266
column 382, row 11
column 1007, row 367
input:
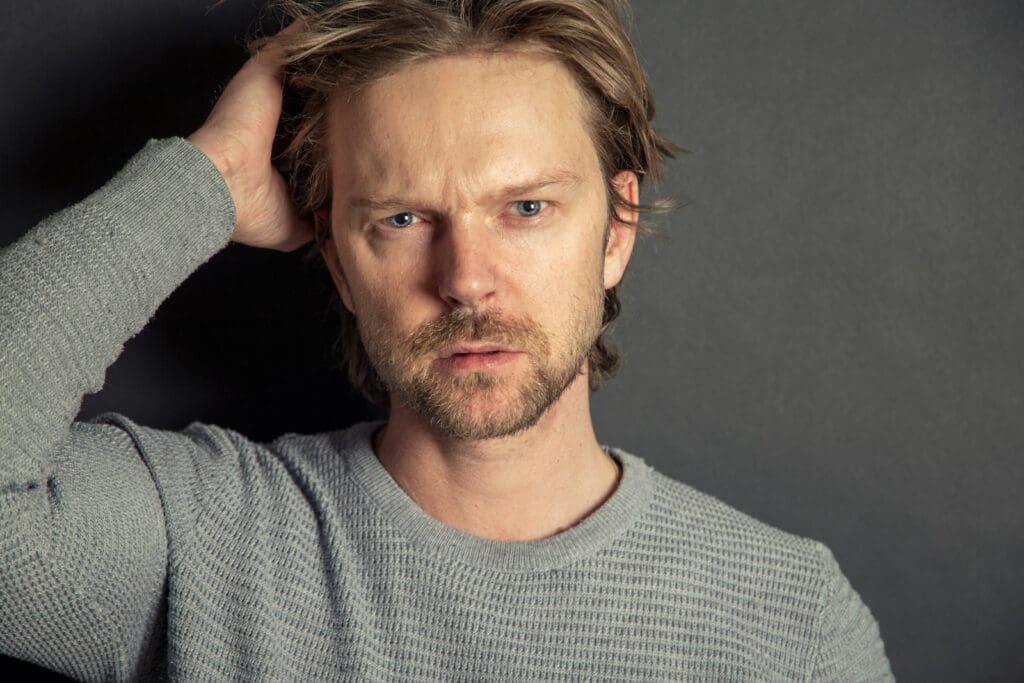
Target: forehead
column 461, row 123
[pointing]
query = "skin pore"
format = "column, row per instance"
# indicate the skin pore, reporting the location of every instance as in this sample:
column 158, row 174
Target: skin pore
column 470, row 237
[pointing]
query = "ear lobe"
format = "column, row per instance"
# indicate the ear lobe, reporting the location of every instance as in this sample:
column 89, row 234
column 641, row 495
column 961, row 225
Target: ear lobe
column 329, row 252
column 621, row 229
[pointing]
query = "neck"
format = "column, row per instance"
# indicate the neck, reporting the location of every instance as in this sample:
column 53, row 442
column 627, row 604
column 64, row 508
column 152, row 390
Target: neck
column 524, row 487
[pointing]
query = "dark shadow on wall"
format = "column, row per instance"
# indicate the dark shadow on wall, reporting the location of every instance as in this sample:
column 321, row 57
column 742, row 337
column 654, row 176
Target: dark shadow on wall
column 87, row 91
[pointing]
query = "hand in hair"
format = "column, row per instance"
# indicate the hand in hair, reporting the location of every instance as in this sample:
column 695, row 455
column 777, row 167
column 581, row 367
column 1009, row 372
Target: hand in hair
column 238, row 137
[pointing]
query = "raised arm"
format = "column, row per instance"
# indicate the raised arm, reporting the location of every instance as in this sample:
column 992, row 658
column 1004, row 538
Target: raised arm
column 82, row 540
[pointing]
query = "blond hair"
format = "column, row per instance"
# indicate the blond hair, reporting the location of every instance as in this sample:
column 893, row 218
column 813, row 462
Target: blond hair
column 351, row 44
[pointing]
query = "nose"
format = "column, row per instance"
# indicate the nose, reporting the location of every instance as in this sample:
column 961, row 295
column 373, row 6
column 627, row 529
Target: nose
column 467, row 261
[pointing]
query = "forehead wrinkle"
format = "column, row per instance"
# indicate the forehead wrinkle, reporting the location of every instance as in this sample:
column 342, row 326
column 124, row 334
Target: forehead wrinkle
column 423, row 156
column 437, row 170
column 565, row 178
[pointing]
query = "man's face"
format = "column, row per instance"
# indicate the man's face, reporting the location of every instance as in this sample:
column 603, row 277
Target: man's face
column 469, row 220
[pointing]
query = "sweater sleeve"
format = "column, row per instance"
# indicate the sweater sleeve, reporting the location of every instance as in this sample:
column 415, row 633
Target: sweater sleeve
column 83, row 549
column 849, row 645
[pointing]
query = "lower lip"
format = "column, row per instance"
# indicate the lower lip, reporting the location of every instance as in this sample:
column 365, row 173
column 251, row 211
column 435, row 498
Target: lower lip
column 478, row 361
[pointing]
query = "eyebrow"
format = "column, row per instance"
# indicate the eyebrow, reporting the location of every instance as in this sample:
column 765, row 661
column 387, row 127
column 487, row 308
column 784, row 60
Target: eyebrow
column 564, row 177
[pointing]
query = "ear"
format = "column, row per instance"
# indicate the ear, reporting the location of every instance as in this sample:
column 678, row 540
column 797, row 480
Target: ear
column 621, row 229
column 329, row 251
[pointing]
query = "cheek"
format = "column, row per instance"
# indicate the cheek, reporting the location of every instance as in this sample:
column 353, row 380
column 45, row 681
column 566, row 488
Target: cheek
column 566, row 283
column 384, row 296
column 576, row 265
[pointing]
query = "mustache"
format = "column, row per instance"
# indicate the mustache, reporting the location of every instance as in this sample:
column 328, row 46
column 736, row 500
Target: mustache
column 463, row 325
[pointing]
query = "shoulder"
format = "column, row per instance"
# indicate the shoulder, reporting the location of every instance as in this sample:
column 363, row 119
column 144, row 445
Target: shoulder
column 212, row 448
column 709, row 524
column 787, row 588
column 738, row 564
column 205, row 467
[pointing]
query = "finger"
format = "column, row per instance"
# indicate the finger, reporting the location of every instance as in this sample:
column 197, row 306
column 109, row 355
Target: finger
column 272, row 50
column 294, row 27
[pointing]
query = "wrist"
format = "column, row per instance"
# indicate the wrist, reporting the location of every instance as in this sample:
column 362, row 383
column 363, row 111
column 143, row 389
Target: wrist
column 207, row 143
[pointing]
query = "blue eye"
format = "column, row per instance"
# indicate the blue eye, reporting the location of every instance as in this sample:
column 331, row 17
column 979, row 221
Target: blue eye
column 400, row 220
column 528, row 208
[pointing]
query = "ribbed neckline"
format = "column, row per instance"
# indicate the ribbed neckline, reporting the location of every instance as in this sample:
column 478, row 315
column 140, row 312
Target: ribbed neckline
column 620, row 511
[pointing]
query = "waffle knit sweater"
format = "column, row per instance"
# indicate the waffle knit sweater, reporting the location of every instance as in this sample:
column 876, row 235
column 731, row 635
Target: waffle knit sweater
column 128, row 552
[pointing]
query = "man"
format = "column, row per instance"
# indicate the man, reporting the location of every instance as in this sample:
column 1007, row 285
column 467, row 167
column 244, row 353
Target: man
column 470, row 172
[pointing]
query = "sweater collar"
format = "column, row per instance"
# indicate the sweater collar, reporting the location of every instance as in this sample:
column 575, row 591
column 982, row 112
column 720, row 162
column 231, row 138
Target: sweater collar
column 619, row 511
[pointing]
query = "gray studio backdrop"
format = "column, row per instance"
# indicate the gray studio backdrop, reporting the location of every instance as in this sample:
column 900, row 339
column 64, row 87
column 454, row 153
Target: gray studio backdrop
column 827, row 335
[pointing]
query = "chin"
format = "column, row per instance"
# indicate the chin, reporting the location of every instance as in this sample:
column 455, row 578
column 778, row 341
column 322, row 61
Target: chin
column 480, row 427
column 474, row 409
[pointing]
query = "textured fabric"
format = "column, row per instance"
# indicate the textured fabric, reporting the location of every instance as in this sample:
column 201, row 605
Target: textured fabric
column 129, row 552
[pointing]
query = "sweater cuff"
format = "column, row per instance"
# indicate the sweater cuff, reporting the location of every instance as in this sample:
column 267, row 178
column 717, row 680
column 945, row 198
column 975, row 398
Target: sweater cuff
column 173, row 203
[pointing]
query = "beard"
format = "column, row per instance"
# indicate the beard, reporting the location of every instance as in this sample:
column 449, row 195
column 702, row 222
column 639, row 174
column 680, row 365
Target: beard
column 482, row 405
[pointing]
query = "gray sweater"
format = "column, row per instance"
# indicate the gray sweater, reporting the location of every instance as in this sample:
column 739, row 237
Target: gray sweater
column 129, row 552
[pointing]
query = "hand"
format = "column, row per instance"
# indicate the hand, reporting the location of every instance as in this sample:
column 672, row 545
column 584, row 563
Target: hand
column 238, row 137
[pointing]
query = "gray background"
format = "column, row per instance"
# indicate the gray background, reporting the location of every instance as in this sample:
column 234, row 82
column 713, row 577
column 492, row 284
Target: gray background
column 827, row 335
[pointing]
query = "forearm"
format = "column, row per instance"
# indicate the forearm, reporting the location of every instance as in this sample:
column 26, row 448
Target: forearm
column 76, row 287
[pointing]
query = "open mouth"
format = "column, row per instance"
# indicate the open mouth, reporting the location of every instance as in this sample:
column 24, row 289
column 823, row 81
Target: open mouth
column 469, row 350
column 483, row 360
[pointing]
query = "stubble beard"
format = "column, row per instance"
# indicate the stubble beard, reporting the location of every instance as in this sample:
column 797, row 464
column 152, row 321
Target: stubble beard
column 473, row 406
